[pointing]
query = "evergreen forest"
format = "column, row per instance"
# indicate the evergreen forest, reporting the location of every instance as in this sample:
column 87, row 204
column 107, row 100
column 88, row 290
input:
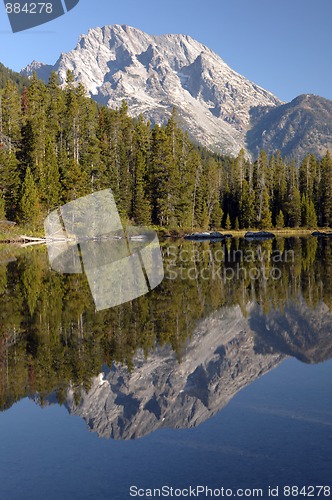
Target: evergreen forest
column 57, row 145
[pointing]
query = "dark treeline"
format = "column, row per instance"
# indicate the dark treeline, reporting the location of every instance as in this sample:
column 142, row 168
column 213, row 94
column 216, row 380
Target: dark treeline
column 57, row 145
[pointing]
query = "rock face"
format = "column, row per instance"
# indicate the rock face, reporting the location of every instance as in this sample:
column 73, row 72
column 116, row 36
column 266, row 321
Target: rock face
column 155, row 73
column 297, row 128
column 42, row 70
column 163, row 392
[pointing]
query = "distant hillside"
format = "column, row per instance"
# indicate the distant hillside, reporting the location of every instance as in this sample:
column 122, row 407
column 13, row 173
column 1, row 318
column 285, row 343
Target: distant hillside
column 7, row 74
column 302, row 126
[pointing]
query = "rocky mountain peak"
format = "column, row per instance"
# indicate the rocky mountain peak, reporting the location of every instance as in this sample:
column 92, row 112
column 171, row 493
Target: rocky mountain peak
column 221, row 109
column 154, row 73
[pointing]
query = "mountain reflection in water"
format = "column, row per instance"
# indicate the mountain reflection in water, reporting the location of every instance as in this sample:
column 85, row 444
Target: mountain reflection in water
column 175, row 357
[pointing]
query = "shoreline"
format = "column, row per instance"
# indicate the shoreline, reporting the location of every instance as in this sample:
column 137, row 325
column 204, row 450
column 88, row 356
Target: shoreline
column 240, row 233
column 8, row 238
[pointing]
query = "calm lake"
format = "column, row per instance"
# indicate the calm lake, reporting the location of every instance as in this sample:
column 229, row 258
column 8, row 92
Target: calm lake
column 219, row 378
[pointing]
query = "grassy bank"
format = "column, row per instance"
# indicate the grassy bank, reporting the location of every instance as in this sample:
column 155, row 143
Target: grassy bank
column 10, row 235
column 13, row 234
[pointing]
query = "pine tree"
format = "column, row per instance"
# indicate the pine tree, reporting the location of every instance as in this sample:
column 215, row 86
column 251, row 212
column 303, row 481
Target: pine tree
column 76, row 182
column 139, row 171
column 312, row 216
column 120, row 158
column 197, row 202
column 236, row 176
column 228, row 222
column 74, row 101
column 187, row 163
column 164, row 178
column 213, row 184
column 49, row 185
column 141, row 205
column 108, row 134
column 9, row 182
column 259, row 185
column 247, row 206
column 24, row 104
column 279, row 186
column 56, row 106
column 280, row 221
column 293, row 207
column 308, row 212
column 305, row 179
column 35, row 125
column 266, row 215
column 11, row 115
column 30, row 206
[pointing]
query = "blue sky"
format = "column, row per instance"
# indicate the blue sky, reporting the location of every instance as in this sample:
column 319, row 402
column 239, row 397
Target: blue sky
column 283, row 45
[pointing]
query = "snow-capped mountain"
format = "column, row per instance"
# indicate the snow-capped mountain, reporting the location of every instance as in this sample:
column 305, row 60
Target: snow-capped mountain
column 221, row 109
column 156, row 73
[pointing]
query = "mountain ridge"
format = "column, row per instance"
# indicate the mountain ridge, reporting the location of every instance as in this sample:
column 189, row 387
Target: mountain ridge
column 221, row 109
column 296, row 128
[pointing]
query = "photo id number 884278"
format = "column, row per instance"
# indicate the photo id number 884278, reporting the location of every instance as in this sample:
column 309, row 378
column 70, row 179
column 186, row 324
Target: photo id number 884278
column 307, row 491
column 29, row 8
